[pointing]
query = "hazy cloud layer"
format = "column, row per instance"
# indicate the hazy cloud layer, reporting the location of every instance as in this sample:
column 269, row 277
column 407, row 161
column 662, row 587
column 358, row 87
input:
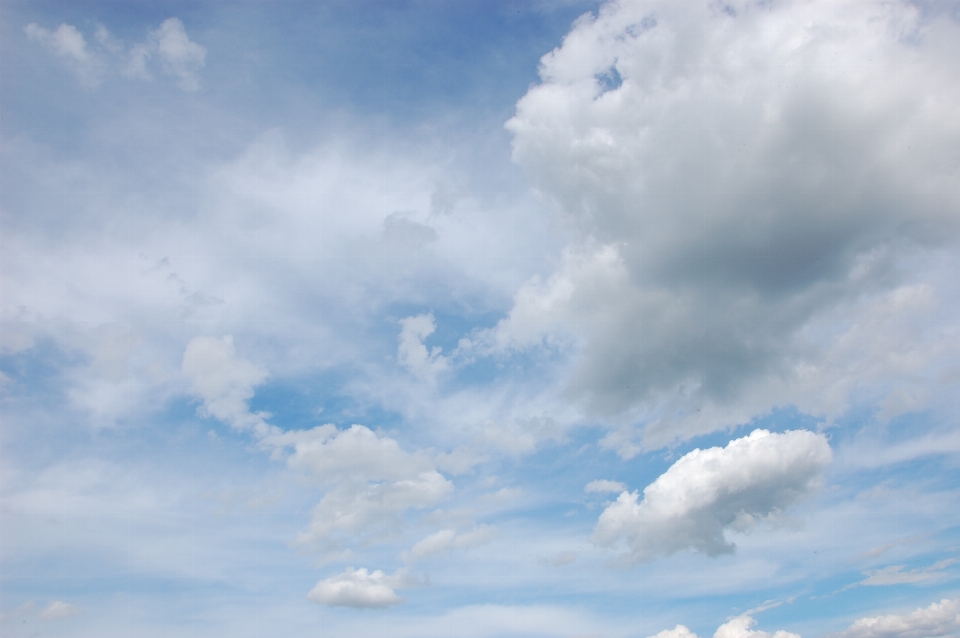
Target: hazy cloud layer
column 708, row 492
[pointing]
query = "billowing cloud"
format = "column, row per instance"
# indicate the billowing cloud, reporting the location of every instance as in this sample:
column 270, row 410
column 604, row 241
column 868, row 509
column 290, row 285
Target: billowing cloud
column 356, row 588
column 707, row 492
column 70, row 46
column 749, row 168
column 939, row 619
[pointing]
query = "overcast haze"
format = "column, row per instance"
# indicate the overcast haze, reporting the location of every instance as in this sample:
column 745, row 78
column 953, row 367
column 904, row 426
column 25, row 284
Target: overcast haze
column 489, row 319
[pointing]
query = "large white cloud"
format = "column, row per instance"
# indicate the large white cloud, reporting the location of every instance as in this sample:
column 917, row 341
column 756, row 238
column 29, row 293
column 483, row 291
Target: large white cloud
column 707, row 492
column 939, row 619
column 732, row 172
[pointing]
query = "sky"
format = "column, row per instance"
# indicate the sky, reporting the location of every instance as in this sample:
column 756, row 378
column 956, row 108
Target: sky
column 485, row 318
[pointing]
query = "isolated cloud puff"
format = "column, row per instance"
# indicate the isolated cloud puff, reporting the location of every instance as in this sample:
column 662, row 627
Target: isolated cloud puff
column 939, row 619
column 356, row 588
column 707, row 492
column 749, row 166
column 178, row 56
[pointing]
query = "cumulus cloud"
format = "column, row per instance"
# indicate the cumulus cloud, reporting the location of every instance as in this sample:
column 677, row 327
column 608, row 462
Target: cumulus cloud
column 447, row 539
column 602, row 486
column 740, row 626
column 749, row 170
column 707, row 492
column 178, row 56
column 357, row 588
column 939, row 619
column 54, row 610
column 680, row 631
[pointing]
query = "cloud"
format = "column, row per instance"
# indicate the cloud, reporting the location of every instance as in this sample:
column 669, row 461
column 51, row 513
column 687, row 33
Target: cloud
column 178, row 56
column 680, row 631
column 740, row 626
column 894, row 574
column 707, row 492
column 731, row 178
column 55, row 610
column 356, row 588
column 939, row 619
column 224, row 381
column 446, row 539
column 369, row 481
column 602, row 486
column 58, row 609
column 413, row 355
column 70, row 45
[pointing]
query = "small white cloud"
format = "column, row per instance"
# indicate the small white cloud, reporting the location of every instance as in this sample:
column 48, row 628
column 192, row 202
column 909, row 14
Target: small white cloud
column 740, row 626
column 680, row 631
column 939, row 619
column 357, row 588
column 707, row 492
column 603, row 486
column 413, row 355
column 895, row 574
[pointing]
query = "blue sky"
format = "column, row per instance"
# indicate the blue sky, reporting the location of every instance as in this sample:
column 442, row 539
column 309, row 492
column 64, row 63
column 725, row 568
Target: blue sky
column 491, row 319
